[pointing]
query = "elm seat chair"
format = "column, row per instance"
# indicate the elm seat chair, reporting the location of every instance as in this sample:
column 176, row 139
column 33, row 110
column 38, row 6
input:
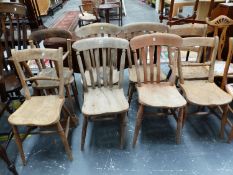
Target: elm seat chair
column 152, row 92
column 128, row 32
column 35, row 39
column 204, row 93
column 100, row 30
column 39, row 111
column 220, row 25
column 193, row 54
column 102, row 100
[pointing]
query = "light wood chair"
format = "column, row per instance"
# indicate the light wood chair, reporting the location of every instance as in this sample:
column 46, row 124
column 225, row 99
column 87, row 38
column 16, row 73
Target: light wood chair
column 39, row 111
column 36, row 39
column 191, row 55
column 152, row 92
column 135, row 29
column 103, row 99
column 220, row 25
column 204, row 93
column 100, row 30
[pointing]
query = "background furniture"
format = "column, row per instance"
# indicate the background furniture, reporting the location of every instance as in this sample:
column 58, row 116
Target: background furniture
column 104, row 99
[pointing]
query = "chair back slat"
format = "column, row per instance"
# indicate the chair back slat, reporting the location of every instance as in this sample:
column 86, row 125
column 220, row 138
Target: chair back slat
column 144, row 62
column 158, row 63
column 89, row 68
column 102, row 46
column 151, row 52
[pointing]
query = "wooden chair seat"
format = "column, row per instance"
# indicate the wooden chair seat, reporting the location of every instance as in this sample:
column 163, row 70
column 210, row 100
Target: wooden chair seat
column 45, row 111
column 194, row 72
column 219, row 68
column 205, row 93
column 133, row 74
column 51, row 72
column 87, row 17
column 12, row 82
column 115, row 76
column 160, row 95
column 113, row 100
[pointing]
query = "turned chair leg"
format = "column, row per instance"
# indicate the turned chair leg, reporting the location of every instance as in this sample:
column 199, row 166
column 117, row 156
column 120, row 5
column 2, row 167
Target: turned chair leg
column 138, row 123
column 223, row 120
column 179, row 124
column 64, row 140
column 19, row 143
column 122, row 129
column 84, row 130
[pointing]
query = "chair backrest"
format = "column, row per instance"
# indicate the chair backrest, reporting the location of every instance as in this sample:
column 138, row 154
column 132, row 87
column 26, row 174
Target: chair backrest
column 211, row 43
column 228, row 62
column 38, row 36
column 221, row 23
column 14, row 27
column 96, row 50
column 97, row 30
column 87, row 6
column 28, row 56
column 143, row 47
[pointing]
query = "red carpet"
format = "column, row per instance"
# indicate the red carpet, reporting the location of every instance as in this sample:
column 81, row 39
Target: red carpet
column 69, row 21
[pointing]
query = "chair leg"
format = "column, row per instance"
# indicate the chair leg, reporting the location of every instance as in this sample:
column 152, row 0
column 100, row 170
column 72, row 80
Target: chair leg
column 84, row 131
column 64, row 140
column 230, row 137
column 223, row 120
column 184, row 116
column 138, row 123
column 130, row 91
column 179, row 124
column 19, row 144
column 75, row 92
column 122, row 129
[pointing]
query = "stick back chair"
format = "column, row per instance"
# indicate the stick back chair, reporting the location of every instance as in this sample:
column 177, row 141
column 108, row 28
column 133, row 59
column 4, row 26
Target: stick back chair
column 39, row 111
column 151, row 91
column 135, row 29
column 204, row 93
column 35, row 39
column 103, row 99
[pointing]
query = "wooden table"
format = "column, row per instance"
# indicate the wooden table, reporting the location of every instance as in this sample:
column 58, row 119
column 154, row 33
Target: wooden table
column 202, row 10
column 106, row 7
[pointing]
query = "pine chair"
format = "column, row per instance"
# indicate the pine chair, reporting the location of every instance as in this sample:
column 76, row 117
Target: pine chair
column 103, row 99
column 100, row 30
column 220, row 25
column 204, row 93
column 128, row 32
column 39, row 111
column 35, row 39
column 152, row 92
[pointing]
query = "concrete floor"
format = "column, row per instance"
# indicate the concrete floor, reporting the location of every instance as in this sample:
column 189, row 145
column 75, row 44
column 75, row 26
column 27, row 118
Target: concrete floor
column 200, row 152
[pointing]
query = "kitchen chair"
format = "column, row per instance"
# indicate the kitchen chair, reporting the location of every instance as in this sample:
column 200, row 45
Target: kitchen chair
column 40, row 111
column 100, row 30
column 152, row 92
column 35, row 39
column 128, row 32
column 89, row 14
column 103, row 99
column 204, row 93
column 220, row 25
column 118, row 13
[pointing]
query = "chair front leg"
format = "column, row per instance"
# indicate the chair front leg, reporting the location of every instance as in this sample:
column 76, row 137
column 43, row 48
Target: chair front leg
column 223, row 120
column 84, row 130
column 122, row 129
column 179, row 124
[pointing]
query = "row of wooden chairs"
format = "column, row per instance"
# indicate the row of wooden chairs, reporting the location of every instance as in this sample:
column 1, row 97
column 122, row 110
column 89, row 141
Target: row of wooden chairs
column 100, row 60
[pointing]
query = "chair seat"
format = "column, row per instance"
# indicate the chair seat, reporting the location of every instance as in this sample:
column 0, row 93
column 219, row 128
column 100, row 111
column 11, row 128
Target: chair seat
column 219, row 68
column 114, row 80
column 205, row 93
column 160, row 95
column 87, row 17
column 104, row 101
column 133, row 74
column 12, row 82
column 51, row 72
column 194, row 72
column 38, row 111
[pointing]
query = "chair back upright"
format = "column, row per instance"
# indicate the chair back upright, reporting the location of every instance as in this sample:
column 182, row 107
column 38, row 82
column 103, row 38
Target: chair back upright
column 33, row 73
column 145, row 45
column 96, row 52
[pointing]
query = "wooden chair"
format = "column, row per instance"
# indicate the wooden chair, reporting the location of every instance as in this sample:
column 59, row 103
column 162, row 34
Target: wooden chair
column 35, row 39
column 128, row 32
column 89, row 13
column 204, row 93
column 152, row 92
column 221, row 24
column 40, row 111
column 192, row 55
column 100, row 30
column 103, row 99
column 116, row 14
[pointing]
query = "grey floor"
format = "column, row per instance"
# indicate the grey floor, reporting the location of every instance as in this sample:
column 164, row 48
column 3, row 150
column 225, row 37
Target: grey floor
column 200, row 152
